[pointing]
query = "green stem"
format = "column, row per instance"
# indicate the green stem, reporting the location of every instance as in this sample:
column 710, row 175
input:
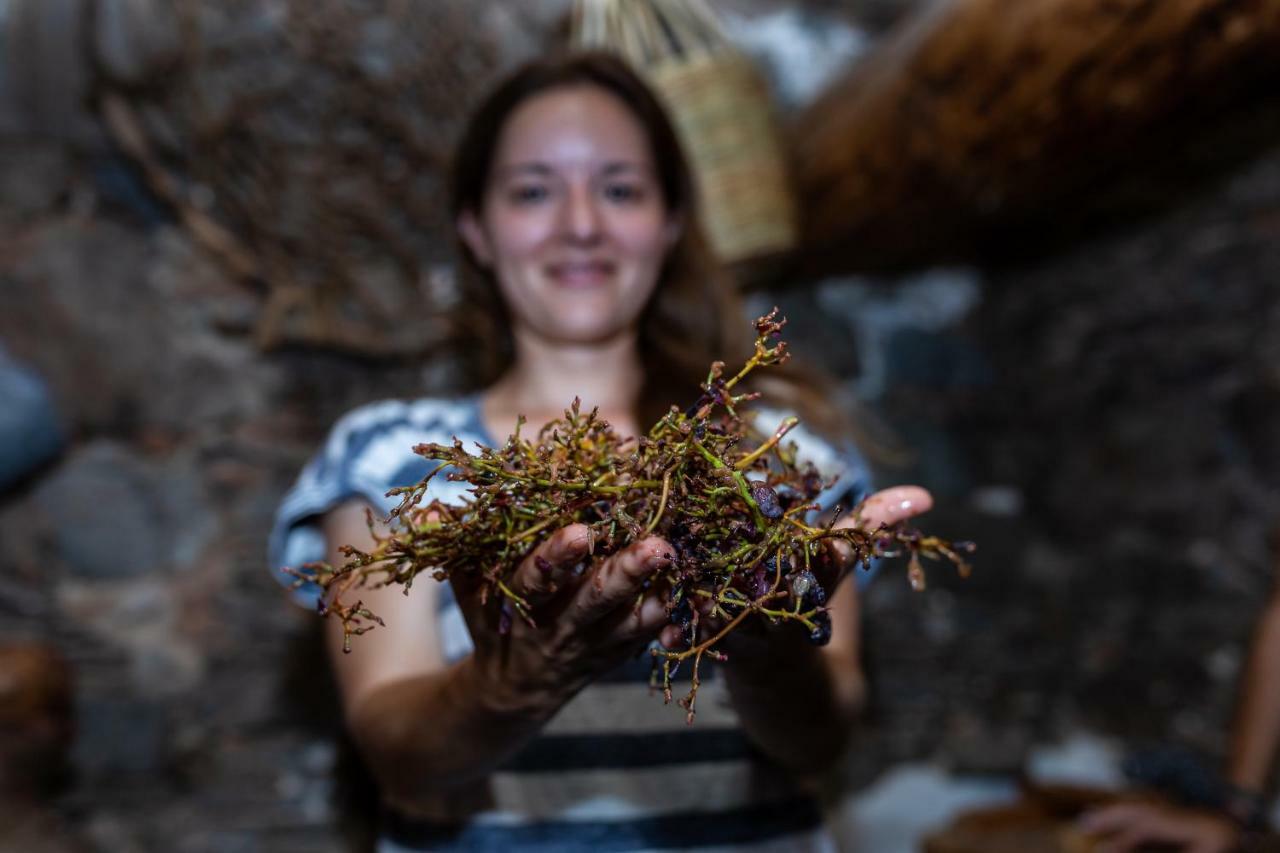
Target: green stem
column 786, row 427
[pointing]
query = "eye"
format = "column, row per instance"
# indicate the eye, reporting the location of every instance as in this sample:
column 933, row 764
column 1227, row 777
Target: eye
column 624, row 192
column 528, row 193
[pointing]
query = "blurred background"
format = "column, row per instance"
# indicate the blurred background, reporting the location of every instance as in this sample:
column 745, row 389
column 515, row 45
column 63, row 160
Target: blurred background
column 1040, row 242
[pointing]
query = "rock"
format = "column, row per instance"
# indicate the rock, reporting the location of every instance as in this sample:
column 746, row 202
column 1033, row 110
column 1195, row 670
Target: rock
column 31, row 432
column 35, row 178
column 48, row 70
column 801, row 50
column 118, row 737
column 115, row 514
column 77, row 284
column 134, row 39
column 152, row 304
column 105, row 514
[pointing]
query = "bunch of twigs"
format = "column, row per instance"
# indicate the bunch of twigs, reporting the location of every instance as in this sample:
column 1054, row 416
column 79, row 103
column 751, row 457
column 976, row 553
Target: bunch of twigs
column 735, row 511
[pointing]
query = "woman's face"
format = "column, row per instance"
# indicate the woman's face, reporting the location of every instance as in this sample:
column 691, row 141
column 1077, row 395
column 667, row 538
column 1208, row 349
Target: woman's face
column 574, row 224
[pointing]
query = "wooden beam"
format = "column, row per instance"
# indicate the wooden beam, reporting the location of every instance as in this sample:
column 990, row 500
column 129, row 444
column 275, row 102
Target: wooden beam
column 989, row 129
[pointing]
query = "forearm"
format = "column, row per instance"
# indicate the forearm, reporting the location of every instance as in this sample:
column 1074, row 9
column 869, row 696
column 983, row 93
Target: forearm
column 427, row 736
column 1257, row 726
column 796, row 702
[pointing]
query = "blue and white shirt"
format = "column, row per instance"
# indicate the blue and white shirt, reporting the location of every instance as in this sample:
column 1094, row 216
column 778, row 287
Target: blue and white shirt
column 615, row 769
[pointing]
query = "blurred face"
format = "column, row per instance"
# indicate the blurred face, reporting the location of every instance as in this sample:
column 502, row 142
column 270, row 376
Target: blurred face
column 574, row 225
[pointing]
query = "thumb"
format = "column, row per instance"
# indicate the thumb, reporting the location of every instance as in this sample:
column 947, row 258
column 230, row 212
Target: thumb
column 892, row 505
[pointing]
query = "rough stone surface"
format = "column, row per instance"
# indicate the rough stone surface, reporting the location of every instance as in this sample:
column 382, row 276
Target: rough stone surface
column 120, row 532
column 1101, row 424
column 135, row 38
column 1116, row 463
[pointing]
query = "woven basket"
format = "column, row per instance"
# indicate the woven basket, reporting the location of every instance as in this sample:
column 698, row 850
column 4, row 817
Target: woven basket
column 721, row 110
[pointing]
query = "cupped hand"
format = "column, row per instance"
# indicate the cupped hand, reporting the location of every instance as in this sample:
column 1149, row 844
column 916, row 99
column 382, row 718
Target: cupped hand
column 883, row 508
column 582, row 619
column 1129, row 826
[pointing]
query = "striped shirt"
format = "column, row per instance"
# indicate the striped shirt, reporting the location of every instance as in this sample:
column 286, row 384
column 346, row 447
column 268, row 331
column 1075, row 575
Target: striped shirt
column 615, row 769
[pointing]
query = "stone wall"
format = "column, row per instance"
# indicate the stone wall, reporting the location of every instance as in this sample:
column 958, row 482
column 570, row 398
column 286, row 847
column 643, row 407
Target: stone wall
column 1103, row 423
column 1099, row 422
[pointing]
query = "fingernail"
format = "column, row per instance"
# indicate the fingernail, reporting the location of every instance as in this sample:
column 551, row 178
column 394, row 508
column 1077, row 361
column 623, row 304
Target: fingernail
column 658, row 561
column 904, row 505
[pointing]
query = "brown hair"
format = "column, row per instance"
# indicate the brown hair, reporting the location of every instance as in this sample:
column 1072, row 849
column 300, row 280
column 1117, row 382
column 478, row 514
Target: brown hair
column 694, row 316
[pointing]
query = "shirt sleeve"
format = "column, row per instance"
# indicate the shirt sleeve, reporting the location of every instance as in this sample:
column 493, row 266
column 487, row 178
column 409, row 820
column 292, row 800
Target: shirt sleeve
column 839, row 462
column 851, row 487
column 368, row 452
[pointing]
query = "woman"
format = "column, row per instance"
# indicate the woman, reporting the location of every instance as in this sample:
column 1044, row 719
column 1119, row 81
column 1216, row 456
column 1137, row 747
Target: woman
column 575, row 213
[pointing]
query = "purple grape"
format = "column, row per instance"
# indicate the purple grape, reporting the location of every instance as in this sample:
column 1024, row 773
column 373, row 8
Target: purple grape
column 821, row 634
column 767, row 499
column 682, row 613
column 801, row 583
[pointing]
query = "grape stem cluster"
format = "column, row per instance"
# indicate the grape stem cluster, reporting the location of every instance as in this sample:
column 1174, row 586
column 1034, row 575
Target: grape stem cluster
column 735, row 507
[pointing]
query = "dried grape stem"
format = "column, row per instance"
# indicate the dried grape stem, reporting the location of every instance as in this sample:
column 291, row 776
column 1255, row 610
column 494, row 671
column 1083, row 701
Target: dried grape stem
column 731, row 505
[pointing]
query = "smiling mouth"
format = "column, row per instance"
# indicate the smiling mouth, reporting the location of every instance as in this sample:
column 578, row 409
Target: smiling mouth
column 581, row 274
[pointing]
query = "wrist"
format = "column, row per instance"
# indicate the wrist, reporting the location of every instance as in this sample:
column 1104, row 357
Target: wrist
column 781, row 655
column 493, row 688
column 764, row 649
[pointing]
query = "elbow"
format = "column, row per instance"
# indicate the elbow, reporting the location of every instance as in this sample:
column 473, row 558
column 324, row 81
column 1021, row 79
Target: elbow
column 389, row 739
column 425, row 752
column 407, row 781
column 383, row 743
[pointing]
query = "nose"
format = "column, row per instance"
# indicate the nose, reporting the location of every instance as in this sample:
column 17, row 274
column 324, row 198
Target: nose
column 581, row 216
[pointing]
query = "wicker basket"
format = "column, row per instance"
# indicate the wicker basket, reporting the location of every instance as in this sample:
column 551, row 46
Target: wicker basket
column 721, row 110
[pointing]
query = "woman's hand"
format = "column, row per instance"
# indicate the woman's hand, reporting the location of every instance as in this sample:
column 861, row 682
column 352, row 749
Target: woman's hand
column 885, row 507
column 796, row 701
column 1129, row 826
column 427, row 727
column 585, row 621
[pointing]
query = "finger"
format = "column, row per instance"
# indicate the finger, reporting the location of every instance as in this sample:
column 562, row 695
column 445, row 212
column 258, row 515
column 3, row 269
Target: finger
column 1132, row 838
column 838, row 557
column 1110, row 819
column 551, row 565
column 1212, row 844
column 651, row 616
column 672, row 637
column 618, row 580
column 1129, row 829
column 676, row 634
column 636, row 624
column 1223, row 837
column 889, row 506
